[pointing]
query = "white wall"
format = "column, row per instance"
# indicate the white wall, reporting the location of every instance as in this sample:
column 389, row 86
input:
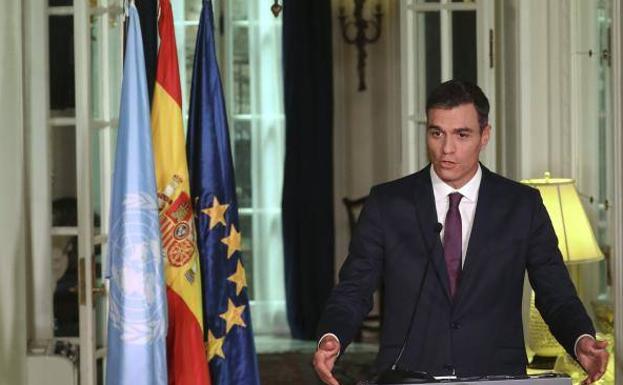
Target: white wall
column 366, row 124
column 12, row 241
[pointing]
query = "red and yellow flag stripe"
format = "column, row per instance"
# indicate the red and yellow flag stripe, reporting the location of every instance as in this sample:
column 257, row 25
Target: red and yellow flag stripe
column 186, row 359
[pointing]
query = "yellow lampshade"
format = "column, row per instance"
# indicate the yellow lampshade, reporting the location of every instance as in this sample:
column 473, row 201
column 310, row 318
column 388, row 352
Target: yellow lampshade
column 576, row 240
column 577, row 244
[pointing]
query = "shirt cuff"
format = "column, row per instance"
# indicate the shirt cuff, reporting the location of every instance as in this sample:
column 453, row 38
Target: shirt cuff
column 332, row 335
column 575, row 346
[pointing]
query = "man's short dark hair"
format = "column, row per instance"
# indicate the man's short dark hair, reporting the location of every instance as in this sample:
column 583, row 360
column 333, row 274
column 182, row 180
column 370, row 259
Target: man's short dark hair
column 454, row 93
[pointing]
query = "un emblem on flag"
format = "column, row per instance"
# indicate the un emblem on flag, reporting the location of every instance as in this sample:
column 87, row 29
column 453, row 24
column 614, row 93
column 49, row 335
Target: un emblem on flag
column 136, row 293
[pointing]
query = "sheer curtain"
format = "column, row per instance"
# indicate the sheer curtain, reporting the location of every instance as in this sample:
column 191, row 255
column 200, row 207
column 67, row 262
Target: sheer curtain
column 268, row 304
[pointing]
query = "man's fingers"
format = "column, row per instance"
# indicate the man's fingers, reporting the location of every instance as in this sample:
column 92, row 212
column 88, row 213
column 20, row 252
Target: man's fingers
column 330, row 380
column 592, row 378
column 596, row 346
column 600, row 359
column 323, row 364
column 324, row 359
column 595, row 377
column 596, row 350
column 603, row 366
column 604, row 362
column 596, row 364
column 325, row 374
column 600, row 344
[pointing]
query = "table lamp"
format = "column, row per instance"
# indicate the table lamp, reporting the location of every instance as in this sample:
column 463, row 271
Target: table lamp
column 577, row 244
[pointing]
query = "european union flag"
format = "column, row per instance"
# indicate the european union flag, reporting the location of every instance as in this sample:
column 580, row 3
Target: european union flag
column 137, row 317
column 231, row 351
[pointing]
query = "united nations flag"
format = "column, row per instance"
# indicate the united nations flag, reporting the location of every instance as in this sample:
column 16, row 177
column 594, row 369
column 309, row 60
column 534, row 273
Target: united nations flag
column 137, row 326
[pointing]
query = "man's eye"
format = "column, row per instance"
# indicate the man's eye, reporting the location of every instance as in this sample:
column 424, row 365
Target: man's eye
column 435, row 133
column 463, row 135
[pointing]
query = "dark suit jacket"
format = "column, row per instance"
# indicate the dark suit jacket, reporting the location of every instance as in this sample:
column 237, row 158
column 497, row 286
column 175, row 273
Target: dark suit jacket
column 480, row 331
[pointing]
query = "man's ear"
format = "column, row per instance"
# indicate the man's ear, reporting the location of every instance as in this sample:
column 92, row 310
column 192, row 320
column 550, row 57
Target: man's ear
column 484, row 136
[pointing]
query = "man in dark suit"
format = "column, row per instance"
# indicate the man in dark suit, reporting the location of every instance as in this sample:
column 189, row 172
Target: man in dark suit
column 476, row 233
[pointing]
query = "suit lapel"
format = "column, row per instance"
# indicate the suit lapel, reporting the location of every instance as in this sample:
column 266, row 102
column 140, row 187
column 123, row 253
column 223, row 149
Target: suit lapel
column 478, row 236
column 427, row 218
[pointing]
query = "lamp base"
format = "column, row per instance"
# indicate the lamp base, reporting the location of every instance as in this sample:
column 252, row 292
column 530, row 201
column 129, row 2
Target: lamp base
column 542, row 362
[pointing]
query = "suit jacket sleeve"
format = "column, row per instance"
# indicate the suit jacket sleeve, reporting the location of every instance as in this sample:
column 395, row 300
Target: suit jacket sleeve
column 555, row 295
column 351, row 300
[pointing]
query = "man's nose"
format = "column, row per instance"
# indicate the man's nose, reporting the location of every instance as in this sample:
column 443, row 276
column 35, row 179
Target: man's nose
column 448, row 146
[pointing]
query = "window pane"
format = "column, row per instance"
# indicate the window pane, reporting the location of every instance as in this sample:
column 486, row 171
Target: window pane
column 241, row 90
column 464, row 46
column 96, row 168
column 65, row 271
column 96, row 69
column 604, row 124
column 99, row 299
column 239, row 9
column 192, row 10
column 187, row 61
column 242, row 162
column 246, row 229
column 115, row 66
column 61, row 45
column 59, row 3
column 428, row 47
column 63, row 141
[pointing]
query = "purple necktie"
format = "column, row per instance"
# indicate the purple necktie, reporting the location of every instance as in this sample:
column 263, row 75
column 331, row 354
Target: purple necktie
column 452, row 241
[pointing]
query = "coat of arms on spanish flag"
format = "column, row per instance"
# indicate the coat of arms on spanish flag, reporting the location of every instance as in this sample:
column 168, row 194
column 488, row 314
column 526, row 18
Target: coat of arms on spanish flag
column 186, row 359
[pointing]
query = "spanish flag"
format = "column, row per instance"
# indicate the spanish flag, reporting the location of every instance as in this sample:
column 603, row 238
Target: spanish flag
column 186, row 359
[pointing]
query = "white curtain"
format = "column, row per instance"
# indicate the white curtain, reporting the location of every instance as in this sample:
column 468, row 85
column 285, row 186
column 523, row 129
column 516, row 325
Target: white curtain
column 268, row 151
column 12, row 240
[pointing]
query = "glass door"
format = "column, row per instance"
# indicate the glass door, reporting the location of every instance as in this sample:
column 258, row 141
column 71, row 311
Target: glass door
column 85, row 79
column 593, row 135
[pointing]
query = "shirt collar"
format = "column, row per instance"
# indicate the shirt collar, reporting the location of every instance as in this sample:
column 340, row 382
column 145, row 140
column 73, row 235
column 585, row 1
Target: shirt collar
column 469, row 190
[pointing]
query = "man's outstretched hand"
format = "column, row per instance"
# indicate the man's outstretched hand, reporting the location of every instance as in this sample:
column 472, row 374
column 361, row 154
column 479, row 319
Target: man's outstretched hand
column 593, row 357
column 324, row 359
